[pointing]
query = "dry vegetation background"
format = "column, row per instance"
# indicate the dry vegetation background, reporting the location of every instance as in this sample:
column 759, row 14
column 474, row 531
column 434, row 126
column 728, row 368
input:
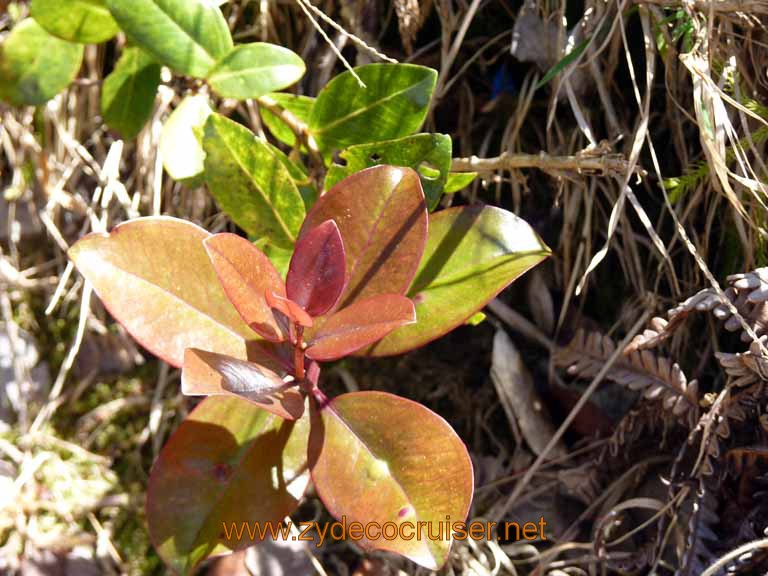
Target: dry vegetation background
column 618, row 390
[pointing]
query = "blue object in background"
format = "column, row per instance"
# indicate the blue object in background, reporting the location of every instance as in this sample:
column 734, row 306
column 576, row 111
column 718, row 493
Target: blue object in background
column 503, row 82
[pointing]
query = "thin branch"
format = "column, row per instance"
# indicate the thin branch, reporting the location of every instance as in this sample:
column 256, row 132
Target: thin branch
column 606, row 165
column 719, row 6
column 299, row 128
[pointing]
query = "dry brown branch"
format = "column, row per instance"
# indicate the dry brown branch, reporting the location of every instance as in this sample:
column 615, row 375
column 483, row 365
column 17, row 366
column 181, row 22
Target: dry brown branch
column 718, row 6
column 603, row 165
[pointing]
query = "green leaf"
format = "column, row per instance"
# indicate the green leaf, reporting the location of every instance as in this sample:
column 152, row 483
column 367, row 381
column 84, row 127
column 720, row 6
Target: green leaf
column 228, row 463
column 472, row 254
column 428, row 154
column 564, row 62
column 382, row 217
column 35, row 66
column 128, row 94
column 299, row 106
column 300, row 176
column 183, row 155
column 251, row 183
column 155, row 277
column 458, row 181
column 189, row 36
column 83, row 21
column 393, row 104
column 252, row 70
column 380, row 458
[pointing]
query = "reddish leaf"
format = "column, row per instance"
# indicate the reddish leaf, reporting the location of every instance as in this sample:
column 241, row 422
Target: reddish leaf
column 246, row 274
column 155, row 278
column 292, row 311
column 382, row 217
column 229, row 462
column 209, row 374
column 376, row 457
column 359, row 325
column 318, row 268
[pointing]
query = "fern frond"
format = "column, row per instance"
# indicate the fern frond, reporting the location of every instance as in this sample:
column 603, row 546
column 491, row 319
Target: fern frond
column 656, row 377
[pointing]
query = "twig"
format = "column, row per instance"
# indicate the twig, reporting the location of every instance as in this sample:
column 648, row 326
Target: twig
column 606, row 165
column 719, row 6
column 299, row 128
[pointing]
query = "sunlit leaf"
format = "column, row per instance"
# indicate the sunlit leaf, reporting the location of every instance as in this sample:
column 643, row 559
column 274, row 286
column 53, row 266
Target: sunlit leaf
column 382, row 217
column 154, row 276
column 379, row 458
column 317, row 270
column 210, row 374
column 458, row 181
column 246, row 275
column 250, row 183
column 34, row 65
column 188, row 36
column 358, row 325
column 83, row 21
column 128, row 93
column 393, row 104
column 183, row 155
column 428, row 154
column 229, row 463
column 252, row 70
column 472, row 254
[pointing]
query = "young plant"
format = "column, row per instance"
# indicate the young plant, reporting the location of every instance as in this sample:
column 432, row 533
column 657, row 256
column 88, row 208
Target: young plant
column 372, row 273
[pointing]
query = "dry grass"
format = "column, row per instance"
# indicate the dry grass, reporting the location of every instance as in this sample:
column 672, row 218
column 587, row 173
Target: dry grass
column 642, row 163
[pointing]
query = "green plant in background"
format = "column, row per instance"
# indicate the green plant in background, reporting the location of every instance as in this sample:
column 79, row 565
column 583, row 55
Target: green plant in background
column 346, row 254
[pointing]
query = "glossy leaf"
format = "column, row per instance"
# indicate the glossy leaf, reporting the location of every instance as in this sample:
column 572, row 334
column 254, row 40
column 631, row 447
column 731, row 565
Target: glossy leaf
column 359, row 325
column 458, row 181
column 382, row 217
column 252, row 70
column 154, row 276
column 189, row 36
column 83, row 21
column 428, row 154
column 210, row 374
column 472, row 254
column 393, row 104
column 34, row 65
column 299, row 106
column 128, row 93
column 376, row 457
column 318, row 269
column 229, row 462
column 246, row 275
column 183, row 155
column 250, row 182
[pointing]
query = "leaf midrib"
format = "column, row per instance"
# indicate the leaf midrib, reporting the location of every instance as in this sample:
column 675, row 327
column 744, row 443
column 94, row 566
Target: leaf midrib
column 370, row 451
column 370, row 106
column 176, row 25
column 173, row 296
column 261, row 193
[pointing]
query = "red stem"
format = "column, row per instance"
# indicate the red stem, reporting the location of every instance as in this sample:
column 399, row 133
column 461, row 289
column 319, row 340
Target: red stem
column 298, row 353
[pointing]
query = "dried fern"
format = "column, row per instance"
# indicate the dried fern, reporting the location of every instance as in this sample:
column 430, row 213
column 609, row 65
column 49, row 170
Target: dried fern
column 747, row 292
column 656, row 377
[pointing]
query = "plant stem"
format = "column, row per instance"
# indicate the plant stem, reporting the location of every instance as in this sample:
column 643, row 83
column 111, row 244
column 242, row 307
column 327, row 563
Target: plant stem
column 298, row 353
